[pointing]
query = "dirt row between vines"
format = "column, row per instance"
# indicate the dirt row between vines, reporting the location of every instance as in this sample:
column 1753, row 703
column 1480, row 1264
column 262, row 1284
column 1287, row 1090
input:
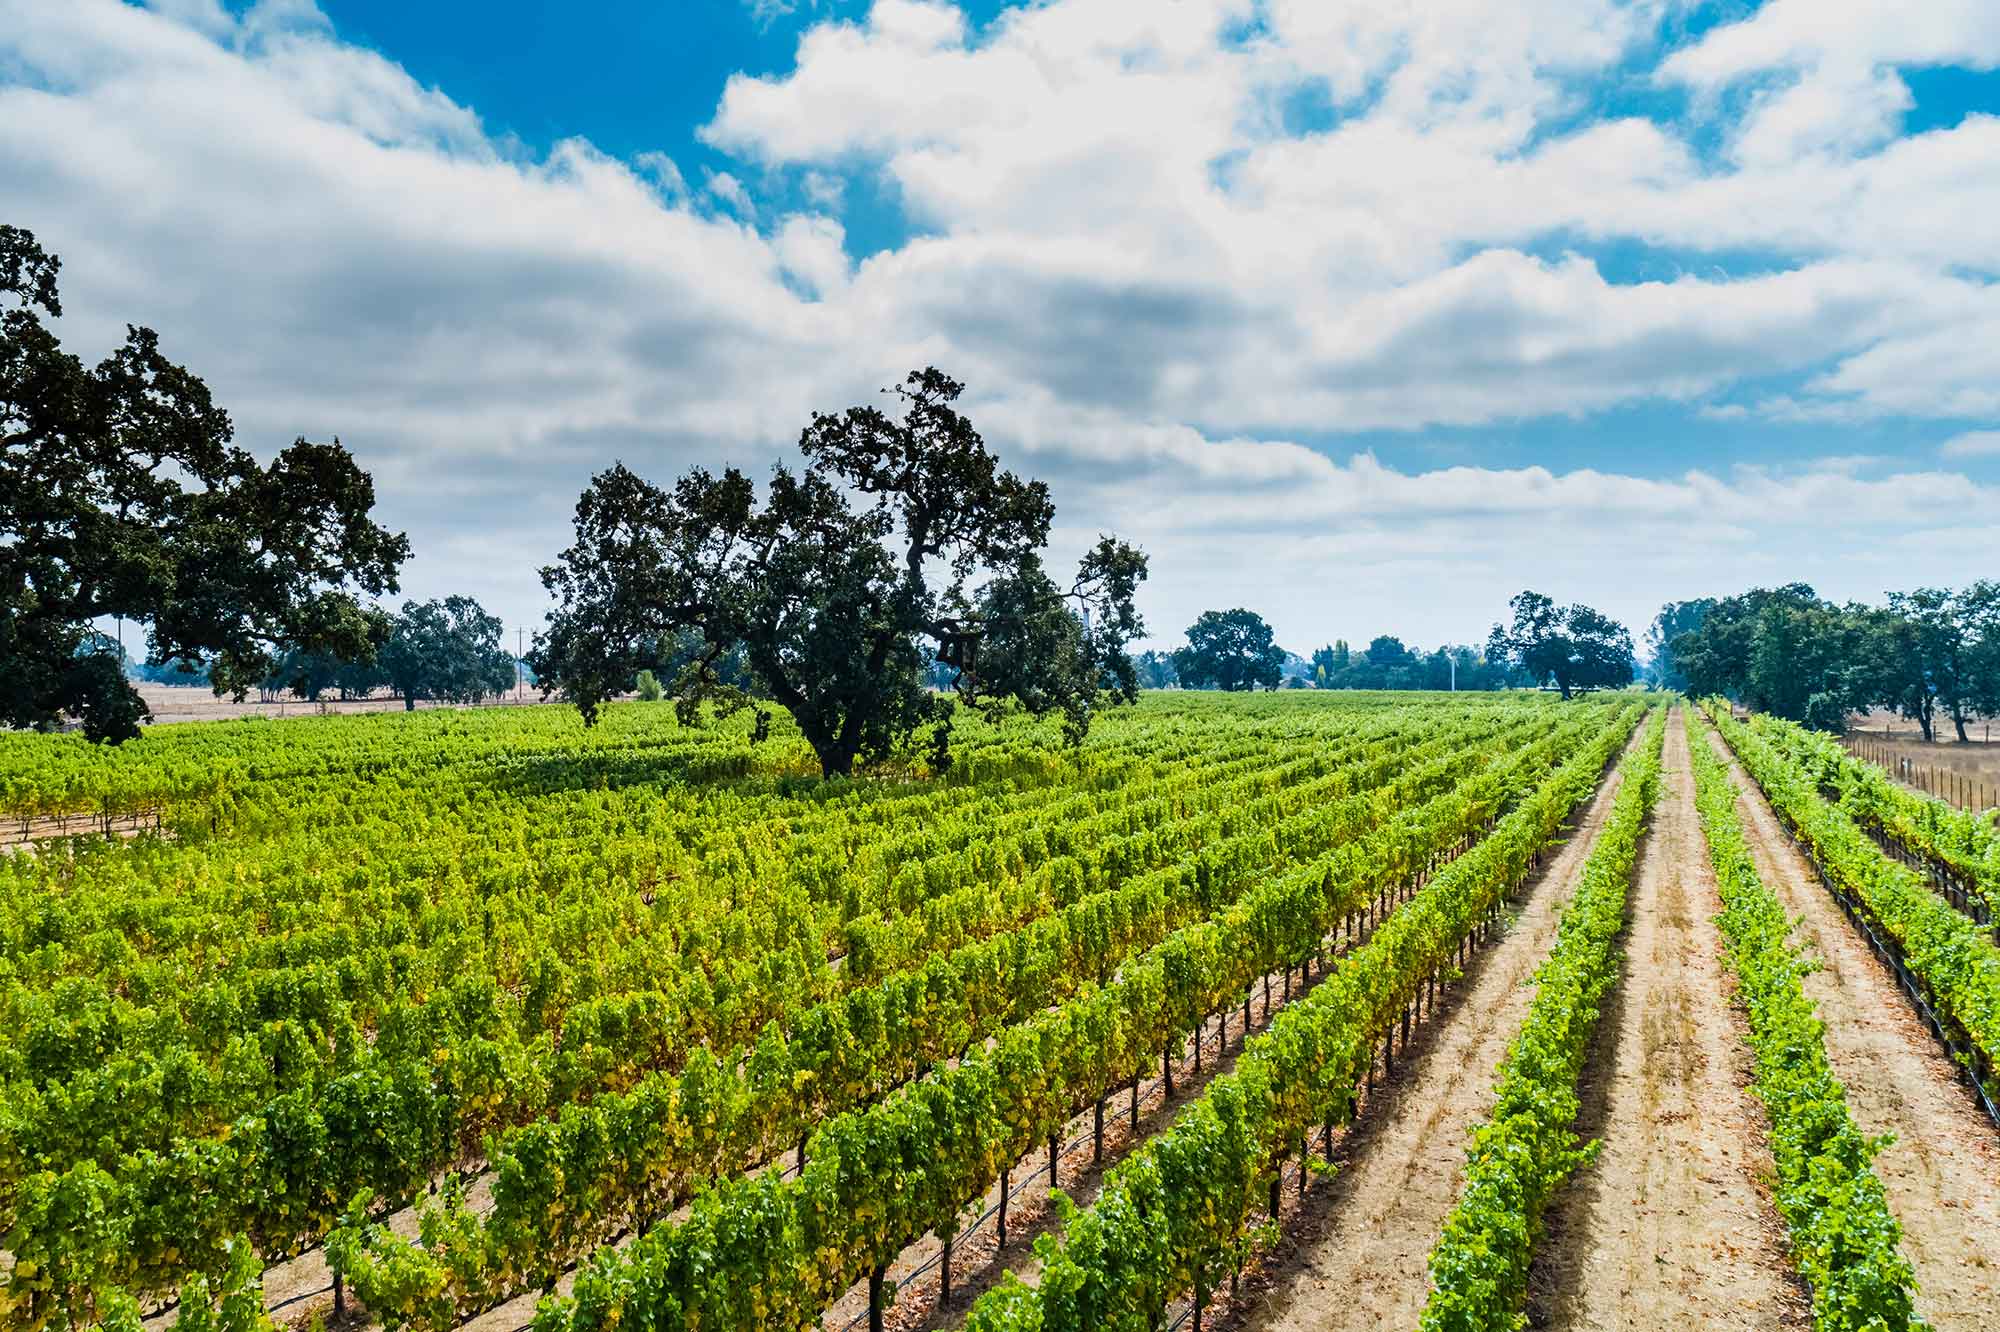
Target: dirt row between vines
column 1942, row 1174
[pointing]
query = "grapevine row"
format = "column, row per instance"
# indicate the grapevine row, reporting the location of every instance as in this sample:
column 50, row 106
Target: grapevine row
column 1528, row 1146
column 1843, row 1236
column 770, row 1253
column 569, row 1183
column 1951, row 959
column 1961, row 849
column 1175, row 1214
column 281, row 1175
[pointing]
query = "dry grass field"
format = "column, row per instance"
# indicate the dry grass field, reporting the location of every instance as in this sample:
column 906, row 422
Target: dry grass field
column 182, row 703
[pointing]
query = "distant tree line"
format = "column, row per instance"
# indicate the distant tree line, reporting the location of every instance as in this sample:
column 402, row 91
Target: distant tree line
column 1386, row 663
column 444, row 651
column 1569, row 647
column 1932, row 655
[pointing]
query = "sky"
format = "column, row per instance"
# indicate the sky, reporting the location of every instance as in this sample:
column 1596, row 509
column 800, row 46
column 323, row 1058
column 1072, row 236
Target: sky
column 1362, row 314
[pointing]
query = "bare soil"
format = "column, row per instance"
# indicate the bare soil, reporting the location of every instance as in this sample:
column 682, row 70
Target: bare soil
column 1671, row 1227
column 1942, row 1173
column 1364, row 1240
column 1982, row 732
column 181, row 703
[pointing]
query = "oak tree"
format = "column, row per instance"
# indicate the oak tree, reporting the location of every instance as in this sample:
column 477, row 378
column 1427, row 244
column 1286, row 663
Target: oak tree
column 1232, row 649
column 900, row 542
column 1576, row 646
column 448, row 651
column 122, row 495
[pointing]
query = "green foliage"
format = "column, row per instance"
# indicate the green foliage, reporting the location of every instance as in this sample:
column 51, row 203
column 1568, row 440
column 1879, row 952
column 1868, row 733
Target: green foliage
column 648, row 688
column 831, row 621
column 1930, row 654
column 1174, row 1215
column 1527, row 1147
column 446, row 650
column 1577, row 647
column 624, row 1157
column 121, row 495
column 1844, row 1237
column 1230, row 649
column 1675, row 619
column 761, row 1253
column 1964, row 845
column 208, row 1041
column 1954, row 959
column 1155, row 670
column 1389, row 665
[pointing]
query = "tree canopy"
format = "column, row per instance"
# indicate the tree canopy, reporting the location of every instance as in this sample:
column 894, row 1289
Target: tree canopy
column 1675, row 618
column 1576, row 646
column 121, row 495
column 448, row 651
column 1929, row 654
column 1232, row 649
column 900, row 541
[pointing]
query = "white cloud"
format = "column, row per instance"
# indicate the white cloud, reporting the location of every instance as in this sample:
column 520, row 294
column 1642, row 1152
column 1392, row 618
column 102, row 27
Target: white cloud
column 811, row 250
column 665, row 173
column 724, row 186
column 1155, row 287
column 1802, row 33
column 1839, row 92
column 1972, row 444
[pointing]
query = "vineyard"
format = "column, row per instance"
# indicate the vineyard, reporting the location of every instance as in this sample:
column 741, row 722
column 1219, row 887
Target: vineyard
column 1295, row 1009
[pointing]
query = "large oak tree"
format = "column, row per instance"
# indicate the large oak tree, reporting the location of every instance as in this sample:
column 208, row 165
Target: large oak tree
column 1232, row 649
column 901, row 541
column 121, row 495
column 448, row 651
column 1576, row 646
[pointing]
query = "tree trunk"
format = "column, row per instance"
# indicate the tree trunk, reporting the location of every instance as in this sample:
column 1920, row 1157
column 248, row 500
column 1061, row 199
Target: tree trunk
column 409, row 703
column 1958, row 720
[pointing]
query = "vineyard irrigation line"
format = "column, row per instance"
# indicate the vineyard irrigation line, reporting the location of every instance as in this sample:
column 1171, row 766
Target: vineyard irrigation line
column 1947, row 884
column 1964, row 1059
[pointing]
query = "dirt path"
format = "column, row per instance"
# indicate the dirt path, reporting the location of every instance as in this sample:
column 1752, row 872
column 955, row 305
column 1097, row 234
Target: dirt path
column 1669, row 1229
column 1942, row 1174
column 1365, row 1244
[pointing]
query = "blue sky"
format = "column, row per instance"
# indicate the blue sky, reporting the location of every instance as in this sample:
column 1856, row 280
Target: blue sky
column 1364, row 315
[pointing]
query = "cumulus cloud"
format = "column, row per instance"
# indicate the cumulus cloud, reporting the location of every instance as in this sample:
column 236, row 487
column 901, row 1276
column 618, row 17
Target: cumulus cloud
column 1829, row 69
column 1171, row 291
column 1972, row 444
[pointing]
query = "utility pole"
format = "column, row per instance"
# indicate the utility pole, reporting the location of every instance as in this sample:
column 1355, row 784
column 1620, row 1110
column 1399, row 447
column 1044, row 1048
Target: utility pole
column 520, row 648
column 1454, row 672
